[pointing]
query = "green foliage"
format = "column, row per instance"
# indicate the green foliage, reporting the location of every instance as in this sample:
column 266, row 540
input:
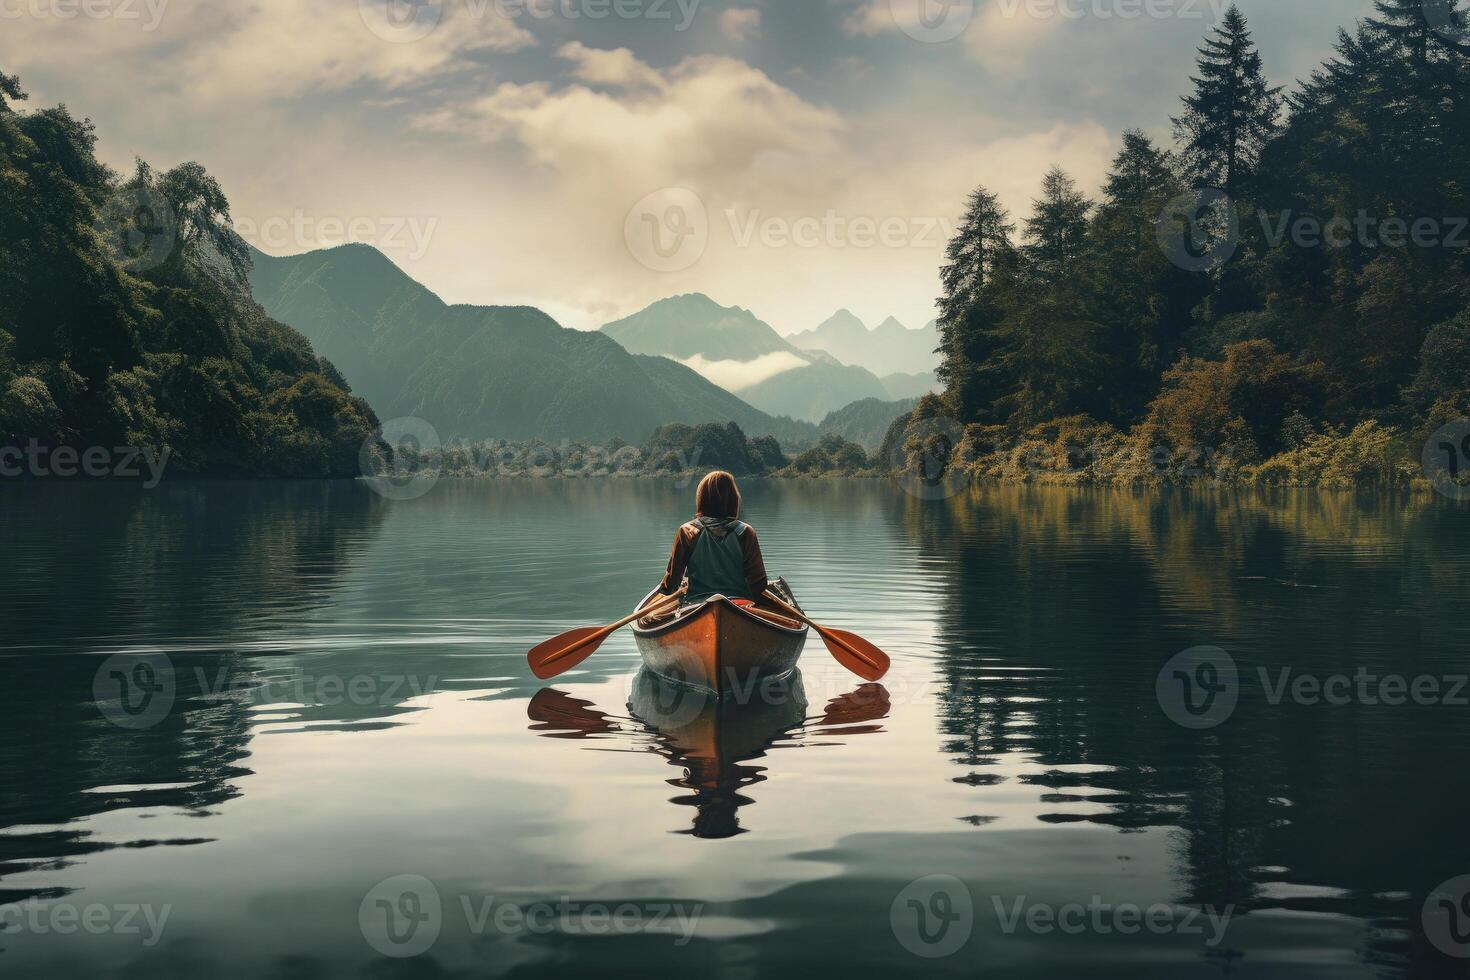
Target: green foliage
column 1444, row 361
column 27, row 409
column 128, row 319
column 1234, row 406
column 831, row 456
column 1266, row 360
column 711, row 446
column 1370, row 455
column 10, row 89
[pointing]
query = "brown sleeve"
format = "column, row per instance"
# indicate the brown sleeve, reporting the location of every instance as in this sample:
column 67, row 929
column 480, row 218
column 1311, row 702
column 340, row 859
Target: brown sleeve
column 755, row 564
column 678, row 562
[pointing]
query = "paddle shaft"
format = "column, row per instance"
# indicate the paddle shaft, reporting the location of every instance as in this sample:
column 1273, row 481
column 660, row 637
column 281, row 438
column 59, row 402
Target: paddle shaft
column 648, row 610
column 829, row 637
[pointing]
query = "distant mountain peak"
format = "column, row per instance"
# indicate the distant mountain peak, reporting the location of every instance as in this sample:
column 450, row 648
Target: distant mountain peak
column 888, row 348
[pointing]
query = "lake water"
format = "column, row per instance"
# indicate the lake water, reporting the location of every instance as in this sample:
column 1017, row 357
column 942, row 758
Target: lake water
column 287, row 730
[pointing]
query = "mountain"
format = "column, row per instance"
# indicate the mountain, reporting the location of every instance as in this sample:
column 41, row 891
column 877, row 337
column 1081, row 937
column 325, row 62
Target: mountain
column 888, row 348
column 736, row 350
column 483, row 372
column 866, row 422
column 822, row 386
column 693, row 325
column 900, row 386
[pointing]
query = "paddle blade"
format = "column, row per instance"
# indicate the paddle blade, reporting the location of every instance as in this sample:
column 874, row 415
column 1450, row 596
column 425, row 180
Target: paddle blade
column 561, row 653
column 855, row 653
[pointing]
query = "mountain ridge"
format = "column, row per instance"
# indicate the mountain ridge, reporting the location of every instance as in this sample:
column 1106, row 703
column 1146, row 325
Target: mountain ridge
column 733, row 347
column 482, row 372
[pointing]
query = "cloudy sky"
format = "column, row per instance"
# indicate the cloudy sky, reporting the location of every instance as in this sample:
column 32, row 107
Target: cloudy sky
column 591, row 156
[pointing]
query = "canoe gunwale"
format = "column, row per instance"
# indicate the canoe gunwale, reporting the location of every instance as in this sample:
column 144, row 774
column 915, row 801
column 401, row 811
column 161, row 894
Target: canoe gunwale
column 690, row 614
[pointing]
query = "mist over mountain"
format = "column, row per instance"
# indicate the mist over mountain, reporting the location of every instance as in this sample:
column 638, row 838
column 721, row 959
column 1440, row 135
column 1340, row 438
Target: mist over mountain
column 733, row 348
column 483, row 372
column 888, row 348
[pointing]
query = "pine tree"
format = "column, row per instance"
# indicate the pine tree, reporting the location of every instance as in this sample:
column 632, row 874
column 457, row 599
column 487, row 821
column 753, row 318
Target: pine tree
column 1141, row 300
column 1057, row 227
column 978, row 280
column 1141, row 173
column 1232, row 112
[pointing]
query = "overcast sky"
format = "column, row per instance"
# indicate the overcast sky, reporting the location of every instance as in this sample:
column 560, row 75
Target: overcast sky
column 591, row 156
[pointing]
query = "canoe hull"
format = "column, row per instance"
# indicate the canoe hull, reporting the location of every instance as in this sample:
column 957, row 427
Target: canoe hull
column 717, row 646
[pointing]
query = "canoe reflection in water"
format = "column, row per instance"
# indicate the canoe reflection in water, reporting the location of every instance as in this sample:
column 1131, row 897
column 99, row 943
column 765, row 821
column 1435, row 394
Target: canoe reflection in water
column 710, row 738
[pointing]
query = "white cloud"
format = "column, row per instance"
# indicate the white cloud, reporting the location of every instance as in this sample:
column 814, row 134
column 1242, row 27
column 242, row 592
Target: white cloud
column 740, row 23
column 617, row 68
column 215, row 52
column 736, row 376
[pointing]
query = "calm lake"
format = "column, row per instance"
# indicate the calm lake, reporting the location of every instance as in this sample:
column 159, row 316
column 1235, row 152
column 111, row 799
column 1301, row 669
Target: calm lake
column 287, row 730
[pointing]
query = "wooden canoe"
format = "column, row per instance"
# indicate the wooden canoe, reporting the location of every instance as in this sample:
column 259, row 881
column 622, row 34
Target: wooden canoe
column 719, row 646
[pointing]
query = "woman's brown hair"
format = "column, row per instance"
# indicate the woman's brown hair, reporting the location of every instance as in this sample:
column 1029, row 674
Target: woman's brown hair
column 717, row 496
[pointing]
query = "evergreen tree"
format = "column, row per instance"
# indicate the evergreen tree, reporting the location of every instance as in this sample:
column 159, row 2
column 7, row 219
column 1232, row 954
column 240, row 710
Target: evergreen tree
column 978, row 281
column 1057, row 227
column 1232, row 112
column 1140, row 299
column 1141, row 172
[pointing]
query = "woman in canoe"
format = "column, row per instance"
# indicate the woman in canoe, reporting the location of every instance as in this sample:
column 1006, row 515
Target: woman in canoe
column 719, row 552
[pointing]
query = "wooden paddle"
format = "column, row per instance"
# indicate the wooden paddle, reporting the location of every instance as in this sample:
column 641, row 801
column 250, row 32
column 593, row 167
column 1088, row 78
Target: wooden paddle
column 849, row 649
column 561, row 653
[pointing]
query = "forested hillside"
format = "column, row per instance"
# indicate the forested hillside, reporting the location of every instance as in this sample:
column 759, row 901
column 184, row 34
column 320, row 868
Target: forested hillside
column 1286, row 283
column 126, row 321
